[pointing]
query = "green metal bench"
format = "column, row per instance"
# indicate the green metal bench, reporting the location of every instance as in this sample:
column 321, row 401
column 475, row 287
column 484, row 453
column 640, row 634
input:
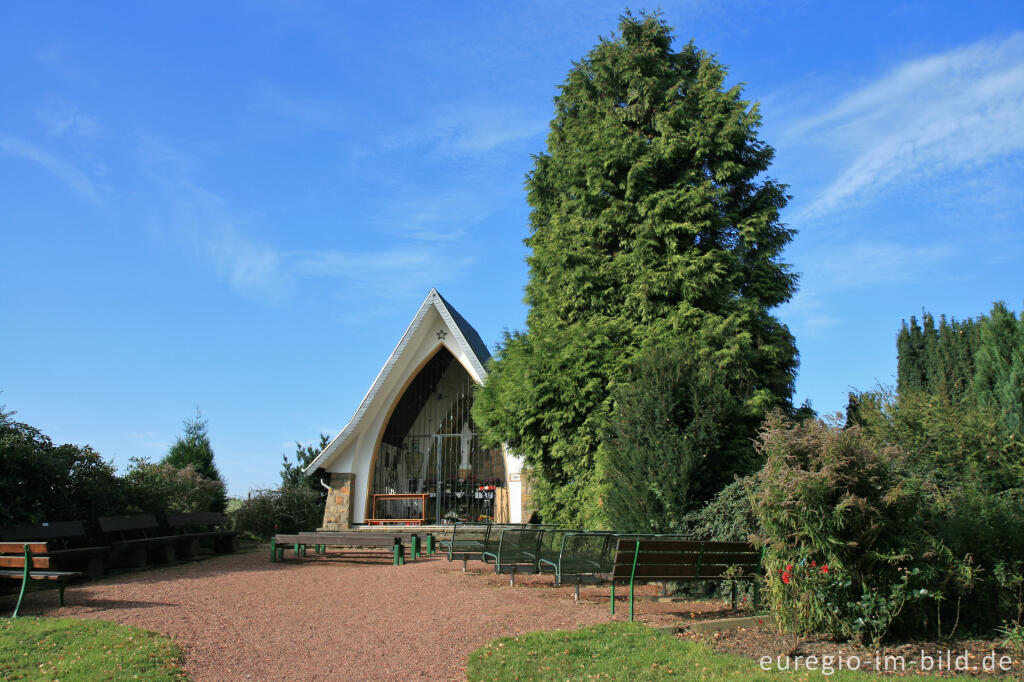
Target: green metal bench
column 518, row 550
column 28, row 562
column 662, row 560
column 468, row 541
column 580, row 556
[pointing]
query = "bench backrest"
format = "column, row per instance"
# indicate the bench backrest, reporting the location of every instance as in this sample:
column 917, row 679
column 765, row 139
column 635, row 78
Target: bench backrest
column 189, row 519
column 656, row 559
column 64, row 532
column 520, row 544
column 130, row 526
column 470, row 532
column 551, row 542
column 12, row 555
column 586, row 546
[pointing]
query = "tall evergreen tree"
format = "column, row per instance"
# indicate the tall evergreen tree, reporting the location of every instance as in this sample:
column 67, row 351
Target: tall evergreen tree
column 653, row 224
column 194, row 449
column 938, row 360
column 999, row 373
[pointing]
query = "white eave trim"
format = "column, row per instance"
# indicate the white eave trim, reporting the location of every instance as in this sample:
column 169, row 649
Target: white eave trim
column 434, row 300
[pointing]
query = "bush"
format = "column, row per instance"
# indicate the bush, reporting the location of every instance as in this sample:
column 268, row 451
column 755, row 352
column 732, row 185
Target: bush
column 290, row 509
column 729, row 516
column 46, row 482
column 908, row 540
column 161, row 489
column 845, row 523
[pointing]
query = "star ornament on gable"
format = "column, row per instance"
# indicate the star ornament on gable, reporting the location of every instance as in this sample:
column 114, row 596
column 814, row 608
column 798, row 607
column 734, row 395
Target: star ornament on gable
column 441, row 334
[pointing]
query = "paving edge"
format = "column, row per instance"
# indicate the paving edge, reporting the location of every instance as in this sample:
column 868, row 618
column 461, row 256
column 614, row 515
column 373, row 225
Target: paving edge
column 706, row 627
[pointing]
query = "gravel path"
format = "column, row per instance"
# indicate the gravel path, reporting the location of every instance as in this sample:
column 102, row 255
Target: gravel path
column 347, row 615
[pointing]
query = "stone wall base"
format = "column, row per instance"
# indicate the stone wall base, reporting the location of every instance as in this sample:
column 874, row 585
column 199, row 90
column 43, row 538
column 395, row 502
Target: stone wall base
column 338, row 510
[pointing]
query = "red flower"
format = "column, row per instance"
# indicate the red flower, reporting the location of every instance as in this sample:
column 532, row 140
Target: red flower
column 824, row 568
column 785, row 578
column 789, row 568
column 814, row 563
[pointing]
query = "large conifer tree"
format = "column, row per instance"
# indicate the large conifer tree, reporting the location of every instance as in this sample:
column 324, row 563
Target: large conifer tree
column 652, row 223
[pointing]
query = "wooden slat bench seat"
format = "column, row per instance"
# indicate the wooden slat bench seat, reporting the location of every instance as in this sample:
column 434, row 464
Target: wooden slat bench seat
column 28, row 562
column 193, row 528
column 136, row 538
column 320, row 541
column 68, row 545
column 663, row 560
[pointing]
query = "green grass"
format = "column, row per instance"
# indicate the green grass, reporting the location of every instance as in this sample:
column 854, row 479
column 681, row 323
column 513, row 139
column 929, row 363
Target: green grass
column 68, row 649
column 619, row 651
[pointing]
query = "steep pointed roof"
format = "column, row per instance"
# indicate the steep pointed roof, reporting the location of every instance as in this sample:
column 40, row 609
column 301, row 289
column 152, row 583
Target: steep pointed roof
column 465, row 337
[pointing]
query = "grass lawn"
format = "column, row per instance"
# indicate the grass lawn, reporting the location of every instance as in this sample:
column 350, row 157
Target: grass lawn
column 619, row 651
column 69, row 649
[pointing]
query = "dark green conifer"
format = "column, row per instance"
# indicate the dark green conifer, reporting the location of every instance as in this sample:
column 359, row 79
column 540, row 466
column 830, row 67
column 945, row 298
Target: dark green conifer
column 653, row 225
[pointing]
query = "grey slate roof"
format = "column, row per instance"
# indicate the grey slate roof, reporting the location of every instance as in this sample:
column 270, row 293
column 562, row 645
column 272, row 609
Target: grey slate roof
column 470, row 334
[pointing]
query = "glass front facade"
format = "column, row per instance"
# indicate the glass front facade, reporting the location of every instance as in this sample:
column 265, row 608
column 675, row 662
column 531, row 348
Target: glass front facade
column 430, row 446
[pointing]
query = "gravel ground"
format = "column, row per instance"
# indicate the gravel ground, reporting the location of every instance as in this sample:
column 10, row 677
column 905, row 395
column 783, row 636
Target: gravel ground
column 347, row 615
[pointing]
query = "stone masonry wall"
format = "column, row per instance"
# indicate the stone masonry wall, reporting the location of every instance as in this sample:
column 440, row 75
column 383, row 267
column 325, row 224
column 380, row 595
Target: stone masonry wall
column 338, row 511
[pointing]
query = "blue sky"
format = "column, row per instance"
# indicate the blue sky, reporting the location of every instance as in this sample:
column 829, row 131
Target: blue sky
column 241, row 205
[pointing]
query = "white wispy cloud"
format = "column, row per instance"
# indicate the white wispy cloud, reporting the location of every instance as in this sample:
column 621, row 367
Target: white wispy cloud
column 63, row 119
column 311, row 113
column 467, row 129
column 228, row 240
column 960, row 109
column 69, row 174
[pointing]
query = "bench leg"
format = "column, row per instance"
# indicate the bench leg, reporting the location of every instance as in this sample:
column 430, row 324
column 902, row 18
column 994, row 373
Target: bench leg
column 273, row 550
column 414, row 547
column 733, row 595
column 60, row 594
column 576, row 594
column 430, row 544
column 512, row 577
column 24, row 581
column 613, row 598
column 464, row 560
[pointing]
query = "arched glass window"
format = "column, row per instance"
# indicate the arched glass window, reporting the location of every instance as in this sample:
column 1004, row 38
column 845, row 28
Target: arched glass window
column 430, row 446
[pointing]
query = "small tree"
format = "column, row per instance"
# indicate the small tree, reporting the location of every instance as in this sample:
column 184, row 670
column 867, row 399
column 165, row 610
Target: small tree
column 194, row 449
column 294, row 476
column 678, row 437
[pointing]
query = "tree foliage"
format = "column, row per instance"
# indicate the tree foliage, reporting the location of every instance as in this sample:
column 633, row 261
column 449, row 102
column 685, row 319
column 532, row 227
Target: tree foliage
column 652, row 224
column 193, row 449
column 42, row 481
column 937, row 360
column 294, row 476
column 679, row 435
column 161, row 488
column 999, row 369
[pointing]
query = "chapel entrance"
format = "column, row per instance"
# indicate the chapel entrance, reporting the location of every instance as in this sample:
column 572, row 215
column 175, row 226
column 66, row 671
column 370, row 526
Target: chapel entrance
column 431, row 465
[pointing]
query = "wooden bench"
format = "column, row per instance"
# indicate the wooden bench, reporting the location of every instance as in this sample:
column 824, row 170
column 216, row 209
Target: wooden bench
column 68, row 545
column 28, row 562
column 135, row 538
column 193, row 527
column 663, row 560
column 320, row 541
